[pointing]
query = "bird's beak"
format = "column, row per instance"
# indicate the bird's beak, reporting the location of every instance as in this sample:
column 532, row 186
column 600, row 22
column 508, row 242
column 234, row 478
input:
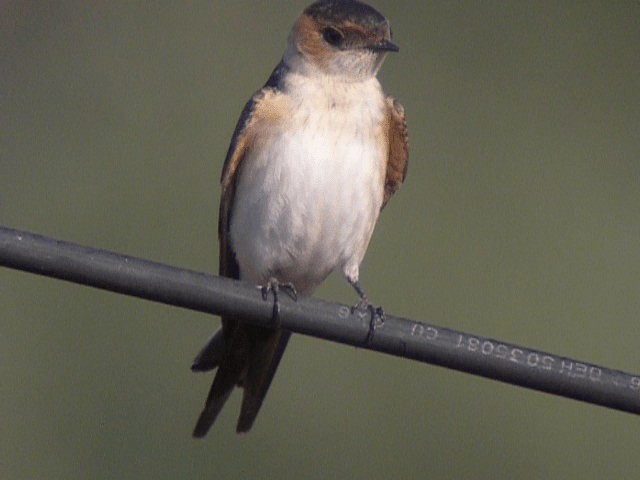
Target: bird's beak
column 385, row 46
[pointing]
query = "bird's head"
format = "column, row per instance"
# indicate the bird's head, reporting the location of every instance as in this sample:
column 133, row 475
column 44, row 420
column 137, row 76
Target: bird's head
column 340, row 38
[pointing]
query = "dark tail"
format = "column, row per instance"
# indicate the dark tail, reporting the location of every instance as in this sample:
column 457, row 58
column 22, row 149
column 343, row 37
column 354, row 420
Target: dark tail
column 262, row 366
column 211, row 354
column 250, row 361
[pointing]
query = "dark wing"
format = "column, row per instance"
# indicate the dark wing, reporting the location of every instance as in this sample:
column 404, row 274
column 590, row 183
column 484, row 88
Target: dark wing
column 240, row 143
column 398, row 159
column 250, row 355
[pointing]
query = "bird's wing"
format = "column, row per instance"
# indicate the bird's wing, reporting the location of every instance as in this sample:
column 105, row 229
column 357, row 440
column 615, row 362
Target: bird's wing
column 256, row 109
column 398, row 159
column 250, row 354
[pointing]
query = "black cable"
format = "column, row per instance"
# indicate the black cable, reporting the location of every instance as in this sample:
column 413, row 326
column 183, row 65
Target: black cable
column 397, row 336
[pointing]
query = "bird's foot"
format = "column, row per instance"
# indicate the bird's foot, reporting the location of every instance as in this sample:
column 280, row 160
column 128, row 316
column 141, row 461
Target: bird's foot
column 275, row 287
column 377, row 313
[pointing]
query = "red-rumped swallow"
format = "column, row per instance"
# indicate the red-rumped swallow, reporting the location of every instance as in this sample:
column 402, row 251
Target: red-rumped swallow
column 316, row 155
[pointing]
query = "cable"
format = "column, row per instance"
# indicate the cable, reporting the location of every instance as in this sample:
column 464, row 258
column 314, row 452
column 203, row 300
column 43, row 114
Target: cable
column 402, row 337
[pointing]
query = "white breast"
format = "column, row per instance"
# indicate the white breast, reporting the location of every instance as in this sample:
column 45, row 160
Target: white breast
column 310, row 191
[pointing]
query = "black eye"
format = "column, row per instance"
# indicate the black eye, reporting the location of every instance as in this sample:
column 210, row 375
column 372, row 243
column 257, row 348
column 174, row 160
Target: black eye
column 332, row 36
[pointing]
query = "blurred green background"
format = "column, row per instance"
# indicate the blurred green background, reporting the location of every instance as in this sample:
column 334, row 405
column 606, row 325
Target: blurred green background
column 519, row 220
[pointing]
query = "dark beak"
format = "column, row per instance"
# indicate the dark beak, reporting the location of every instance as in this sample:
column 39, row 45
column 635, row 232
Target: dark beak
column 385, row 46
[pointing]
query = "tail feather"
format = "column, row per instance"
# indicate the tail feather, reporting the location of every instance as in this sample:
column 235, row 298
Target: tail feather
column 262, row 366
column 211, row 354
column 228, row 375
column 250, row 360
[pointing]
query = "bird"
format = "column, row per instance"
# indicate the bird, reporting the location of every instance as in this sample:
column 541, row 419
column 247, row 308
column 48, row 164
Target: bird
column 315, row 156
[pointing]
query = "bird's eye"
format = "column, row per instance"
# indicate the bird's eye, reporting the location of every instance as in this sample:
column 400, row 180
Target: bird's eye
column 332, row 36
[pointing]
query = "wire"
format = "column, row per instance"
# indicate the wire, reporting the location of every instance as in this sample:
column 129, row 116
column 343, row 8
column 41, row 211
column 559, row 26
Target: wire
column 402, row 337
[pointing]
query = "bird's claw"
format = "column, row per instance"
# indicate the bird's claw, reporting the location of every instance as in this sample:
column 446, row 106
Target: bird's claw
column 274, row 286
column 377, row 316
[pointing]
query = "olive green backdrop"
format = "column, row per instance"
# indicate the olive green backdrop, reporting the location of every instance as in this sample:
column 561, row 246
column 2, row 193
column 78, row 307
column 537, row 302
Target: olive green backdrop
column 520, row 220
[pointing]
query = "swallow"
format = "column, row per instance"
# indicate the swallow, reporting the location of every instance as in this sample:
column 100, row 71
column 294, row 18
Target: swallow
column 315, row 157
